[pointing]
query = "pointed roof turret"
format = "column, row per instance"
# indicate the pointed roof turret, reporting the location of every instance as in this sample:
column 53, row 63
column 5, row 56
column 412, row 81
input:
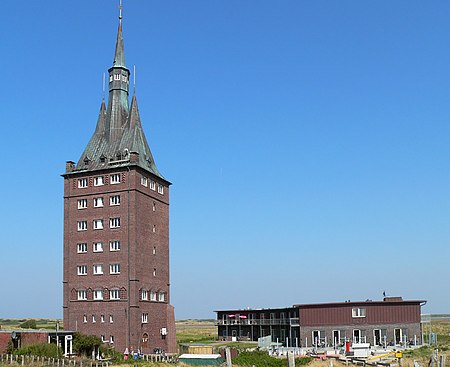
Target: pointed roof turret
column 119, row 54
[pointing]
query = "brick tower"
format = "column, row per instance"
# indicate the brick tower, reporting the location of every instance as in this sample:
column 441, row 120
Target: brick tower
column 116, row 230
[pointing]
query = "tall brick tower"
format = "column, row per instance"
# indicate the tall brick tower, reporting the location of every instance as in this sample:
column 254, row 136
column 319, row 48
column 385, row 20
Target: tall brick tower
column 116, row 230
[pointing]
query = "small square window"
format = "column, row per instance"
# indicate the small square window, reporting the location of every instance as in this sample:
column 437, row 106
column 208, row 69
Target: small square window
column 82, row 183
column 114, row 294
column 99, row 181
column 82, row 269
column 82, row 204
column 98, row 223
column 98, row 296
column 81, row 248
column 114, row 223
column 114, row 245
column 82, row 295
column 114, row 200
column 98, row 269
column 358, row 312
column 114, row 269
column 115, row 179
column 144, row 181
column 98, row 202
column 82, row 225
column 97, row 247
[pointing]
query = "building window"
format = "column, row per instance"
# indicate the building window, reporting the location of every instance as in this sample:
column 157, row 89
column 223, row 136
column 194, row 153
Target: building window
column 98, row 223
column 154, row 228
column 153, row 185
column 144, row 295
column 93, row 319
column 98, row 269
column 154, row 272
column 114, row 269
column 82, row 295
column 114, row 222
column 154, row 250
column 81, row 248
column 98, row 247
column 114, row 294
column 103, row 338
column 82, row 204
column 82, row 225
column 82, row 269
column 144, row 181
column 99, row 181
column 82, row 183
column 154, row 206
column 85, row 319
column 111, row 339
column 114, row 200
column 115, row 179
column 98, row 202
column 98, row 296
column 152, row 296
column 145, row 318
column 358, row 312
column 116, row 76
column 161, row 297
column 111, row 319
column 114, row 245
column 160, row 189
column 102, row 317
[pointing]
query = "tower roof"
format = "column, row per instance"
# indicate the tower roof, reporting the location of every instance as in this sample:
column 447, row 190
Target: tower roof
column 119, row 133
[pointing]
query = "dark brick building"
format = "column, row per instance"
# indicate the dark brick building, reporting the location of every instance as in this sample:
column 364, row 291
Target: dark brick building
column 116, row 230
column 393, row 321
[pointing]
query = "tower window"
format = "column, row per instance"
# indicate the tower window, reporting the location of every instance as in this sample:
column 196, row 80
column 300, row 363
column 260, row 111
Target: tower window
column 93, row 319
column 111, row 319
column 114, row 245
column 102, row 317
column 98, row 247
column 115, row 179
column 144, row 181
column 161, row 297
column 82, row 183
column 145, row 318
column 144, row 295
column 82, row 204
column 152, row 296
column 98, row 269
column 85, row 319
column 154, row 272
column 154, row 206
column 116, row 76
column 154, row 228
column 81, row 248
column 160, row 189
column 98, row 202
column 152, row 185
column 154, row 250
column 114, row 269
column 98, row 296
column 82, row 295
column 82, row 225
column 111, row 339
column 114, row 223
column 82, row 269
column 98, row 223
column 114, row 200
column 114, row 294
column 99, row 181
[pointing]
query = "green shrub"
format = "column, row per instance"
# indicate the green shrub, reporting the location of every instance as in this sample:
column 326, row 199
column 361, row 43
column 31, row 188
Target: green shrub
column 262, row 359
column 41, row 350
column 85, row 344
column 29, row 324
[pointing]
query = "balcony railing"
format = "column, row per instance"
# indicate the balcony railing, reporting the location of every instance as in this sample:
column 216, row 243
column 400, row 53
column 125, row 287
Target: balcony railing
column 286, row 321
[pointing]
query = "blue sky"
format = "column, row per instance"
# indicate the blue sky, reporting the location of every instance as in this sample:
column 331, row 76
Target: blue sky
column 307, row 143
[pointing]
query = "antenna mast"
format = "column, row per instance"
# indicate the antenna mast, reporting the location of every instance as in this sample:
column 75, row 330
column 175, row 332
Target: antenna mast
column 120, row 11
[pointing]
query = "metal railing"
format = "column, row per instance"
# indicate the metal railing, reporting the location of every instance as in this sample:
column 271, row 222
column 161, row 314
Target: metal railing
column 286, row 321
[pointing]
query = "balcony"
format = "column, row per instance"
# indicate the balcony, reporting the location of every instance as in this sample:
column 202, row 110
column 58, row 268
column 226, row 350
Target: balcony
column 258, row 322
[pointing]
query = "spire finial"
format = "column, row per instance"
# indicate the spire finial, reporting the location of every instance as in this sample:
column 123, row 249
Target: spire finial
column 134, row 79
column 104, row 86
column 120, row 11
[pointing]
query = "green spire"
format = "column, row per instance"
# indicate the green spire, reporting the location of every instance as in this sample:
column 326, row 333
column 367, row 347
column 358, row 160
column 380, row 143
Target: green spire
column 119, row 55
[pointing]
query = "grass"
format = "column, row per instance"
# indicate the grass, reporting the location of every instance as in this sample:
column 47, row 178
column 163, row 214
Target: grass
column 42, row 324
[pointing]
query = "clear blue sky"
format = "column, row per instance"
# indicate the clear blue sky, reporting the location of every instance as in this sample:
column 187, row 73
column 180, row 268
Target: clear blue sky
column 307, row 143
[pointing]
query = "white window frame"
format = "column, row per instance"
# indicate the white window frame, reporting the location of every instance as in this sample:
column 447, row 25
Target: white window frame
column 115, row 179
column 99, row 202
column 152, row 296
column 82, row 270
column 93, row 319
column 161, row 297
column 144, row 295
column 97, row 247
column 114, row 200
column 111, row 319
column 99, row 181
column 114, row 268
column 97, row 269
column 144, row 181
column 114, row 222
column 98, row 224
column 144, row 318
column 82, row 295
column 98, row 296
column 358, row 312
column 153, row 185
column 84, row 319
column 82, row 248
column 82, row 204
column 160, row 189
column 82, row 183
column 102, row 318
column 82, row 225
column 114, row 246
column 111, row 339
column 114, row 294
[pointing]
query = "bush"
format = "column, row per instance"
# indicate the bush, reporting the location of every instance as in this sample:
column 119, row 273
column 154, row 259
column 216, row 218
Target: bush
column 262, row 359
column 85, row 344
column 29, row 324
column 41, row 350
